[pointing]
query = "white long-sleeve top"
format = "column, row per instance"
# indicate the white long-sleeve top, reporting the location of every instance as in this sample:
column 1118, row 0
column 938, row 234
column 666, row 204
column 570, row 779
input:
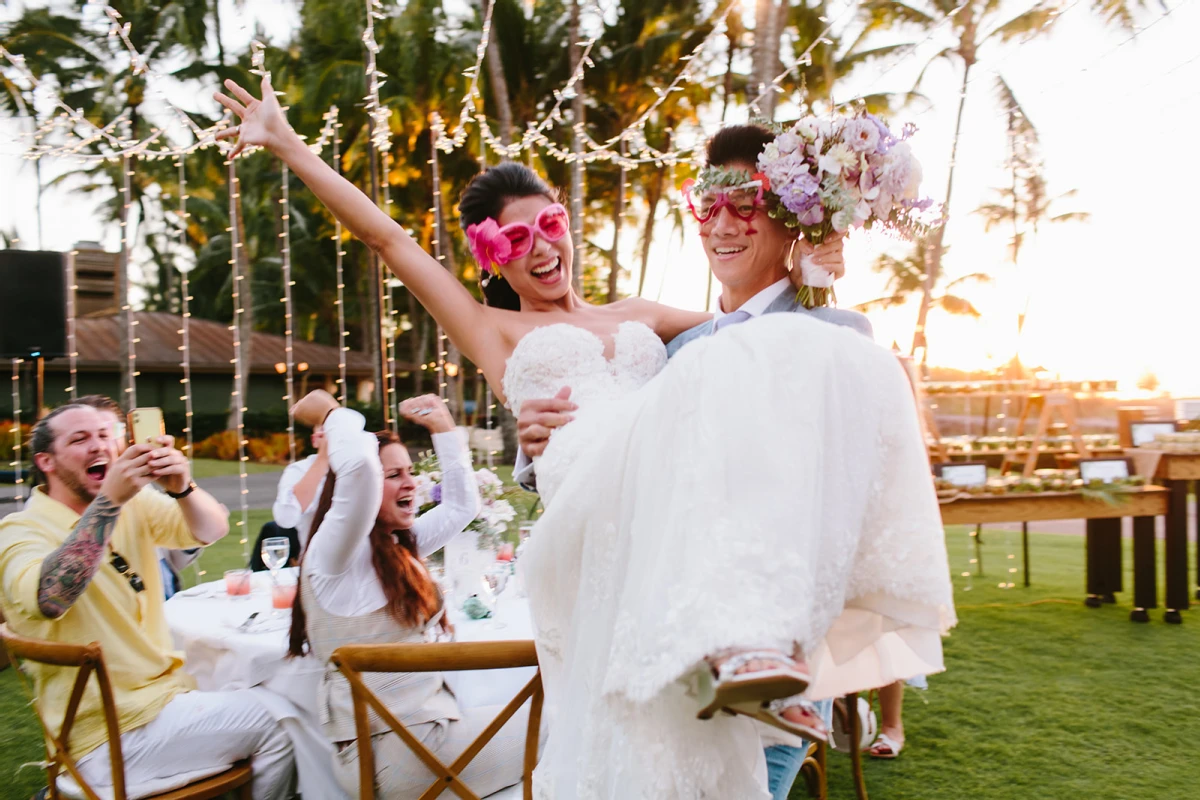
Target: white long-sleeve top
column 286, row 511
column 338, row 564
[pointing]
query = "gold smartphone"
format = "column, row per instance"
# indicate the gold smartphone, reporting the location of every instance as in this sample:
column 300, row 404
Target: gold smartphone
column 146, row 425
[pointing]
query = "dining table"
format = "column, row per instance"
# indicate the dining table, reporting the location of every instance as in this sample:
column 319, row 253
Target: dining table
column 241, row 642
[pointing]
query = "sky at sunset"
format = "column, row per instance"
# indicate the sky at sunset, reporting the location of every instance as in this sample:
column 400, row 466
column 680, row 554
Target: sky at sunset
column 1108, row 298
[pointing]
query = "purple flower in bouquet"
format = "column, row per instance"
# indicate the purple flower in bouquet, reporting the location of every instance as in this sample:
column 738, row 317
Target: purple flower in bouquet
column 435, row 493
column 861, row 134
column 782, row 170
column 886, row 139
column 800, row 194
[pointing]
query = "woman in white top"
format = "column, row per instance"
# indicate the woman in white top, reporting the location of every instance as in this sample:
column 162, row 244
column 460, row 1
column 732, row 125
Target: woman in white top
column 362, row 582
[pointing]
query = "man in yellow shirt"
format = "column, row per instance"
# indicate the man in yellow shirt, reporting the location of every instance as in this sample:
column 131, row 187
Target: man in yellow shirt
column 78, row 564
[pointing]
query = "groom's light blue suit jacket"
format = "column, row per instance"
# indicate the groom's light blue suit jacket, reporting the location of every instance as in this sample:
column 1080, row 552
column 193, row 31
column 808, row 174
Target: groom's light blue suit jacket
column 786, row 301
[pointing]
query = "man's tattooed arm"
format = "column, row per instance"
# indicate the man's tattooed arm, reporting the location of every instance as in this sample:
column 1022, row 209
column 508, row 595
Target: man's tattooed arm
column 67, row 571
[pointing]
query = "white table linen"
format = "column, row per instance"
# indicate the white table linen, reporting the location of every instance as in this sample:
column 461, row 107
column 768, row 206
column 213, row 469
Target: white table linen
column 204, row 622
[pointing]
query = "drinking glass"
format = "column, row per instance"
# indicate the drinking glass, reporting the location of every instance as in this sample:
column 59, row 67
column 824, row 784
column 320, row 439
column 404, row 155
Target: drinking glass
column 237, row 582
column 495, row 578
column 275, row 552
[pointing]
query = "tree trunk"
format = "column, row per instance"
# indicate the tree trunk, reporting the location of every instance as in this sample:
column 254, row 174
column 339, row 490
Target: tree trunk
column 508, row 432
column 933, row 263
column 614, row 267
column 499, row 83
column 653, row 195
column 577, row 119
column 765, row 56
column 374, row 329
column 420, row 325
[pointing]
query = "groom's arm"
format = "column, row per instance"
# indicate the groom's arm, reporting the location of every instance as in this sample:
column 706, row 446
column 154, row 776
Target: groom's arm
column 535, row 423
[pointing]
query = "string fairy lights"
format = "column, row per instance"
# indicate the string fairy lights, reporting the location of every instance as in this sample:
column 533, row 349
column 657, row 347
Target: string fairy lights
column 131, row 340
column 72, row 349
column 15, row 430
column 285, row 260
column 332, row 126
column 437, row 125
column 185, row 294
column 240, row 367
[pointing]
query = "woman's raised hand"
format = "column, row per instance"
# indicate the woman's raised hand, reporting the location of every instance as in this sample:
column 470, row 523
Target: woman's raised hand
column 262, row 121
column 429, row 411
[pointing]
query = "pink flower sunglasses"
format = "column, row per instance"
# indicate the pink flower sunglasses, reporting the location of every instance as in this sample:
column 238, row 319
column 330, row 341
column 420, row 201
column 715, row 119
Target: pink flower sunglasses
column 494, row 246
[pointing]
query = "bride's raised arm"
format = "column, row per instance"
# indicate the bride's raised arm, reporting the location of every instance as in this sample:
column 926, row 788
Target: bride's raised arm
column 469, row 324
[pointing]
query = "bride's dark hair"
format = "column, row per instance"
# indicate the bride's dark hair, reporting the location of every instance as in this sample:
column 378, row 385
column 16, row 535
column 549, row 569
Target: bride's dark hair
column 485, row 196
column 737, row 144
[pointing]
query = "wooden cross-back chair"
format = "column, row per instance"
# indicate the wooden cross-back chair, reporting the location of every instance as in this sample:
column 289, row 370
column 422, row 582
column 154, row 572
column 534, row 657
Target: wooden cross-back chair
column 89, row 660
column 353, row 660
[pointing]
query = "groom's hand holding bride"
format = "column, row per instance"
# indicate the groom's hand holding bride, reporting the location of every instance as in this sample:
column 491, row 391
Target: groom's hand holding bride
column 538, row 418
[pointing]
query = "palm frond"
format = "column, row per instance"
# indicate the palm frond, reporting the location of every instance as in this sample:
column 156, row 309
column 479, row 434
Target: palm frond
column 1034, row 22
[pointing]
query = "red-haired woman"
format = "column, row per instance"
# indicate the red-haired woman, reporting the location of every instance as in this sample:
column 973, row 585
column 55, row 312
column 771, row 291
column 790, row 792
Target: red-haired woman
column 362, row 582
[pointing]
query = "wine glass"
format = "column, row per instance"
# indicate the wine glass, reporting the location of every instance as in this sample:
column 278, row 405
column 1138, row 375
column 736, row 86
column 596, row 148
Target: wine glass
column 495, row 578
column 275, row 552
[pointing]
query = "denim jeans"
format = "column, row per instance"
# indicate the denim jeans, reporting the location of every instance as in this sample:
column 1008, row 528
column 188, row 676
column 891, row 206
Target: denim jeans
column 784, row 761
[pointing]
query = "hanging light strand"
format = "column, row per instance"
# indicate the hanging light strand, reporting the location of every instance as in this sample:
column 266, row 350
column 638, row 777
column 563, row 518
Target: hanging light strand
column 185, row 345
column 240, row 367
column 285, row 258
column 332, row 124
column 15, row 430
column 72, row 348
column 435, row 122
column 389, row 320
column 131, row 339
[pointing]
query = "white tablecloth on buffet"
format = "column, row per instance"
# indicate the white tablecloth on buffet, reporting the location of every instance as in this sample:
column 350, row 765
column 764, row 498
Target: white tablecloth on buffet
column 204, row 622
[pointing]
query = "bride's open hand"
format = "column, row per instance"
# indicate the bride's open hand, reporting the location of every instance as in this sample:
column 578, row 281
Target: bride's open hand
column 262, row 121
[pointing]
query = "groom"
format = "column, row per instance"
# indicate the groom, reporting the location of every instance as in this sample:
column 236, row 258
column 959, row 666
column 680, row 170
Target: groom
column 747, row 253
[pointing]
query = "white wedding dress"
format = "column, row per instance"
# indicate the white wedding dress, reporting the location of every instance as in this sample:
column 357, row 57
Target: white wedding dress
column 769, row 487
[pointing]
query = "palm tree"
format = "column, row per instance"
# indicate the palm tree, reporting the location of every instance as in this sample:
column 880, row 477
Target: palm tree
column 906, row 278
column 974, row 25
column 1025, row 202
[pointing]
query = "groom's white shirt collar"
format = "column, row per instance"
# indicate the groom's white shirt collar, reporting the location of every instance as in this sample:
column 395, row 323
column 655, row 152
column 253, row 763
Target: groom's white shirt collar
column 756, row 305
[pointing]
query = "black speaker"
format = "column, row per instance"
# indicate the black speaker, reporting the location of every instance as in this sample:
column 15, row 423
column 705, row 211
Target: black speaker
column 33, row 304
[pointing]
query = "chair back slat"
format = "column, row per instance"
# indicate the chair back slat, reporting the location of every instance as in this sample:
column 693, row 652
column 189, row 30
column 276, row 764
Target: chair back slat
column 89, row 660
column 352, row 660
column 444, row 656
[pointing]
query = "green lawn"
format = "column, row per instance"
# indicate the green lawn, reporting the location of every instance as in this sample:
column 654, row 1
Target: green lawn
column 1044, row 698
column 214, row 468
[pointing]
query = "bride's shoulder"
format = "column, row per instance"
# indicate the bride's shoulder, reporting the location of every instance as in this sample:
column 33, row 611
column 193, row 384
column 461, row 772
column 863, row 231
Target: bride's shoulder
column 666, row 321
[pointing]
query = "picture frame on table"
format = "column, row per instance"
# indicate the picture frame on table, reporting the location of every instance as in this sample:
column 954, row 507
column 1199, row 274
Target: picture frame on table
column 962, row 473
column 1105, row 469
column 1143, row 431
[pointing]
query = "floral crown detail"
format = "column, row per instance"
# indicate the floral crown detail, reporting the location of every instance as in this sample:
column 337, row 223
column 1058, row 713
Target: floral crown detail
column 489, row 246
column 728, row 177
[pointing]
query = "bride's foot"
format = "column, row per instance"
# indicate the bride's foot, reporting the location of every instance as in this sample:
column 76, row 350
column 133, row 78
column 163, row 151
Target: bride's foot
column 799, row 716
column 746, row 681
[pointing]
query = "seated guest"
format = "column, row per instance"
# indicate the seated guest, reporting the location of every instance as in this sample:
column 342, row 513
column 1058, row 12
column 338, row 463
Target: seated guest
column 171, row 563
column 78, row 565
column 270, row 530
column 361, row 581
column 295, row 503
column 299, row 489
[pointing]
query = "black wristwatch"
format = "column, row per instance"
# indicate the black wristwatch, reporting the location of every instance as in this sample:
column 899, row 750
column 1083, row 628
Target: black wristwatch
column 191, row 487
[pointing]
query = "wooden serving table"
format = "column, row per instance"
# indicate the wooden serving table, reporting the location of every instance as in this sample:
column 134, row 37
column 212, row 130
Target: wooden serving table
column 1103, row 539
column 1175, row 472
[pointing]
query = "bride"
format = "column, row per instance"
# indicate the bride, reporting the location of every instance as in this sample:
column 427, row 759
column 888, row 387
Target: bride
column 686, row 564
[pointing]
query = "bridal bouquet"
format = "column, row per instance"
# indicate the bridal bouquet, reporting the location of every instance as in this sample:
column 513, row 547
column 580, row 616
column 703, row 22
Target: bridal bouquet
column 495, row 511
column 831, row 174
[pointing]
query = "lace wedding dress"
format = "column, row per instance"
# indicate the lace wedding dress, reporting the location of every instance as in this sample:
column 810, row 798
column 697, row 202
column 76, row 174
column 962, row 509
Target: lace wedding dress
column 769, row 487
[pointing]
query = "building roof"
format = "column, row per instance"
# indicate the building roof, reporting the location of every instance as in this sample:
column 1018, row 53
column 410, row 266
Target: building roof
column 99, row 339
